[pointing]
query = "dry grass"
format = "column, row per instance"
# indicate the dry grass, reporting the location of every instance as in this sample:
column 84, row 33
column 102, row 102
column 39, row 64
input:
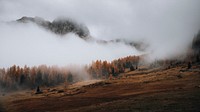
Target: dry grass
column 175, row 89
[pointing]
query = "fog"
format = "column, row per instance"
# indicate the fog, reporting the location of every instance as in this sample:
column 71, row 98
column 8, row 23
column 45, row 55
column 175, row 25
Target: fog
column 31, row 45
column 167, row 26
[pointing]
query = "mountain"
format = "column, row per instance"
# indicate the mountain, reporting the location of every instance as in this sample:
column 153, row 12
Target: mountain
column 62, row 26
column 59, row 26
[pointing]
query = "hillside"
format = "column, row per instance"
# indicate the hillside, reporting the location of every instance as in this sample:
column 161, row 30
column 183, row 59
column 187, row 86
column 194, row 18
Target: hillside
column 174, row 89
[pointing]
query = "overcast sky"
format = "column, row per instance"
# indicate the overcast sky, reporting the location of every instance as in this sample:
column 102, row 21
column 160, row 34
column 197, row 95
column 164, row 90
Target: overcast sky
column 167, row 25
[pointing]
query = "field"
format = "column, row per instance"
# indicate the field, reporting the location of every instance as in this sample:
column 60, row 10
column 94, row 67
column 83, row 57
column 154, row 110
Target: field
column 175, row 89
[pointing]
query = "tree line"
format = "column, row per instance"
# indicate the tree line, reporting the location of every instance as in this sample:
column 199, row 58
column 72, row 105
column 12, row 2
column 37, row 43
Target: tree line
column 104, row 69
column 16, row 77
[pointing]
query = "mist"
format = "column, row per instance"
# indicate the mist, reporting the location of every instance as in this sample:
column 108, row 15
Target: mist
column 28, row 44
column 167, row 26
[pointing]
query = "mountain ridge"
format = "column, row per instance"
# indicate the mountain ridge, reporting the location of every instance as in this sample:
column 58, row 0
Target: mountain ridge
column 59, row 26
column 62, row 26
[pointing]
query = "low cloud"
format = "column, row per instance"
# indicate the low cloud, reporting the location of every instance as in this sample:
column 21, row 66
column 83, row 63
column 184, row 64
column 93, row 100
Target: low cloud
column 28, row 44
column 167, row 26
